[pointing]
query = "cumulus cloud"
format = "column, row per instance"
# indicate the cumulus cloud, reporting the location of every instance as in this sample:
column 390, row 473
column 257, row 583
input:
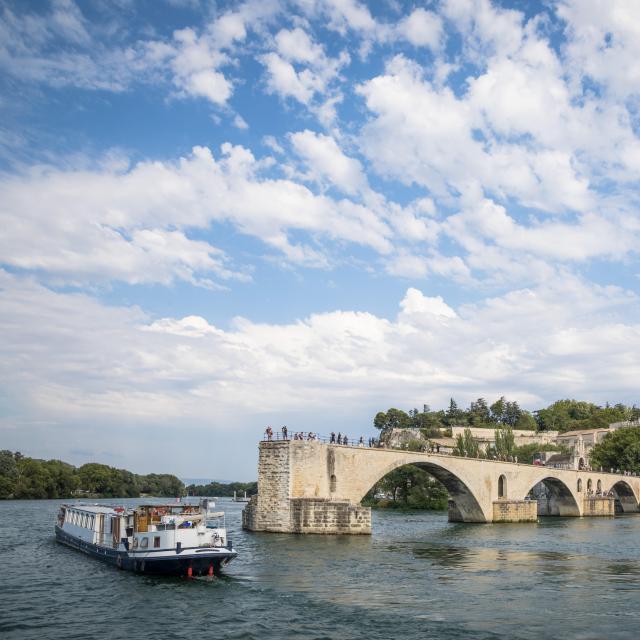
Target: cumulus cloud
column 422, row 29
column 494, row 159
column 134, row 225
column 327, row 161
column 528, row 343
column 300, row 69
column 190, row 58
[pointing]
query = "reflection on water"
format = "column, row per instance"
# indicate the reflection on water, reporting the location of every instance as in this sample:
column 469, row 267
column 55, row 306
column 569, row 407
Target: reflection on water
column 418, row 576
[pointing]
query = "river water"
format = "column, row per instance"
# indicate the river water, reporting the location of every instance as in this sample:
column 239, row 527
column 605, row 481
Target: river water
column 417, row 576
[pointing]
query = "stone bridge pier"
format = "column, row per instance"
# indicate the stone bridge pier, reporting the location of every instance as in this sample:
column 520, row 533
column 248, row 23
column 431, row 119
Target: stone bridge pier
column 312, row 487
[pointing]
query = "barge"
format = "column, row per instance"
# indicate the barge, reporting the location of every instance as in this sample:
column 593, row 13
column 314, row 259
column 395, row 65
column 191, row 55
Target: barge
column 161, row 539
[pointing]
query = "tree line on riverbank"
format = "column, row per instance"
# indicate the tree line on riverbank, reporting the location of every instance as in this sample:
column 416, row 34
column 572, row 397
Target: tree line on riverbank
column 22, row 477
column 222, row 489
column 562, row 415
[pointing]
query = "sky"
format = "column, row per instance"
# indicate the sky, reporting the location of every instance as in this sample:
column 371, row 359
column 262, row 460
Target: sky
column 217, row 216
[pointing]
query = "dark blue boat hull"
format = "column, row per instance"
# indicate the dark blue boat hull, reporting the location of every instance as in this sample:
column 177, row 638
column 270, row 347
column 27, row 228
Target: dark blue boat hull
column 199, row 563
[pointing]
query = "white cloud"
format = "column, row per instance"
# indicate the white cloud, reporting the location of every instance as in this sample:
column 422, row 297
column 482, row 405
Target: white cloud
column 284, row 80
column 300, row 69
column 604, row 43
column 240, row 123
column 486, row 29
column 296, row 45
column 327, row 161
column 191, row 59
column 134, row 225
column 68, row 357
column 422, row 29
column 349, row 14
column 415, row 302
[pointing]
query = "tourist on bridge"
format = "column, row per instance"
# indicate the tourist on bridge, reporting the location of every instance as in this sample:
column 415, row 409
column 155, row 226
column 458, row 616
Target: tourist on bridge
column 332, row 440
column 361, row 442
column 285, row 433
column 269, row 432
column 345, row 439
column 339, row 438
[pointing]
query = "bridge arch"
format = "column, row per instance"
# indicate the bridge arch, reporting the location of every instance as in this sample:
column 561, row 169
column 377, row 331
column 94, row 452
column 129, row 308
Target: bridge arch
column 464, row 506
column 555, row 498
column 626, row 500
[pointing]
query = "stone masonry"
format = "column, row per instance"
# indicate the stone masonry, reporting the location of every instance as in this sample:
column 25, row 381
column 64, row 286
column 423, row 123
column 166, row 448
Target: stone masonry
column 311, row 487
column 283, row 502
column 515, row 511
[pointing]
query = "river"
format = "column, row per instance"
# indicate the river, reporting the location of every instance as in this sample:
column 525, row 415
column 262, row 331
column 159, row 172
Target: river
column 417, row 576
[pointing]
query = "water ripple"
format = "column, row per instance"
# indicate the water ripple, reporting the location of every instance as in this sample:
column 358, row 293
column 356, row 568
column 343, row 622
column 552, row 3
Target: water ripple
column 418, row 576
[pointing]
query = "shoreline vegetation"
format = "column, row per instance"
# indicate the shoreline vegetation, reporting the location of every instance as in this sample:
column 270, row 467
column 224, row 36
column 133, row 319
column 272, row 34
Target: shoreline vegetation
column 222, row 489
column 24, row 478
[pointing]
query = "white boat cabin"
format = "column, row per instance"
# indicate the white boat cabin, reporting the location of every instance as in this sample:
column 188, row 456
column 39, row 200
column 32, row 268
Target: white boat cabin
column 147, row 528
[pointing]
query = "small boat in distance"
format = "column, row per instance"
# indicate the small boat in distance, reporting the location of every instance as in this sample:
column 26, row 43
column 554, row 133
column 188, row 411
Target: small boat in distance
column 236, row 499
column 162, row 539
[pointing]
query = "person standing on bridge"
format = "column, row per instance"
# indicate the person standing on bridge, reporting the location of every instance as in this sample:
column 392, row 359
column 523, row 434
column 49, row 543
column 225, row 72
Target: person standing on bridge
column 285, row 433
column 339, row 438
column 269, row 433
column 332, row 440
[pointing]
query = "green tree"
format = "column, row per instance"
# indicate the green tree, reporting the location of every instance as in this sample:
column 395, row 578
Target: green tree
column 497, row 410
column 526, row 452
column 34, row 480
column 65, row 479
column 454, row 415
column 410, row 488
column 392, row 419
column 526, row 422
column 222, row 489
column 620, row 449
column 479, row 413
column 8, row 474
column 164, row 485
column 512, row 413
column 568, row 415
column 466, row 445
column 505, row 442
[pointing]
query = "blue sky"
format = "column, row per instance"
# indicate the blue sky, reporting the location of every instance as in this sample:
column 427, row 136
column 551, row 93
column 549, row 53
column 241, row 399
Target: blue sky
column 221, row 215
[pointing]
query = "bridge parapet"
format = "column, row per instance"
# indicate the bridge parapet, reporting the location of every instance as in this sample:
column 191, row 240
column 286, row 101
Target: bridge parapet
column 308, row 486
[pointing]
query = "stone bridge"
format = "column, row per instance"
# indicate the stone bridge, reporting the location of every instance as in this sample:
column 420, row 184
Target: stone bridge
column 312, row 487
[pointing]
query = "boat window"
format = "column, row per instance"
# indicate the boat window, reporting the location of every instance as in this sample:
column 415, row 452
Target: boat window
column 156, row 542
column 144, row 543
